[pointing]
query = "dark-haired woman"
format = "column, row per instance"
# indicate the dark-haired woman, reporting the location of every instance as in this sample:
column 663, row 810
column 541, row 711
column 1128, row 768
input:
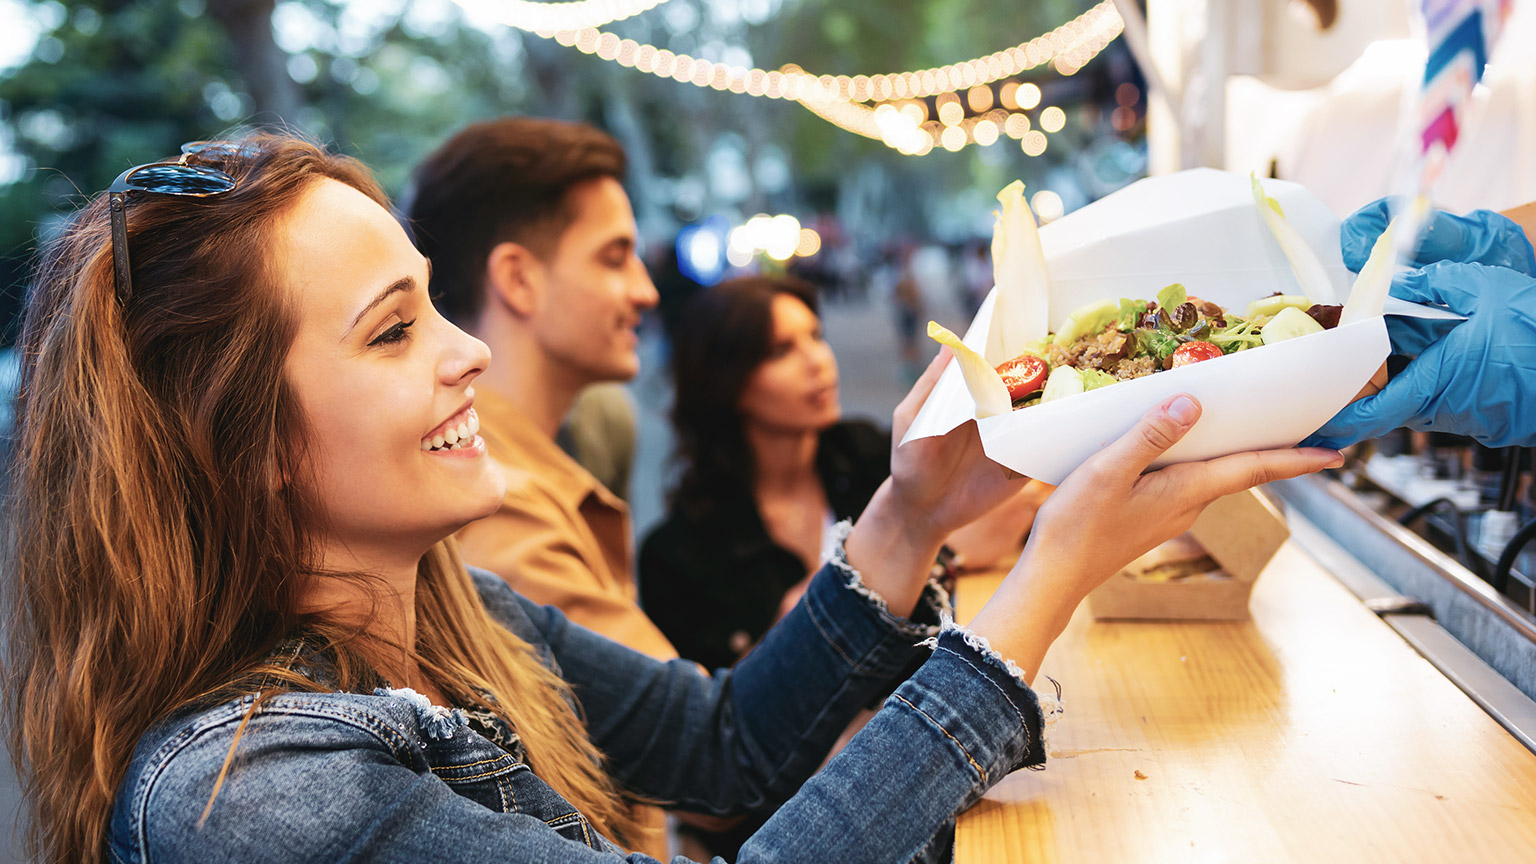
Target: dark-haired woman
column 769, row 467
column 241, row 632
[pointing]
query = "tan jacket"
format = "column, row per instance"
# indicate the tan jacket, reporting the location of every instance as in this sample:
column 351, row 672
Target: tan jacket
column 560, row 537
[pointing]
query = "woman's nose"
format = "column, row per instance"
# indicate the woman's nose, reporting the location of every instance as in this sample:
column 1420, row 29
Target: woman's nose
column 464, row 358
column 819, row 356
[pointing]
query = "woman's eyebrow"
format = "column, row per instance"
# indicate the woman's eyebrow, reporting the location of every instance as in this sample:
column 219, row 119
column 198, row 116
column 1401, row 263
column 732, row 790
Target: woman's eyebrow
column 405, row 283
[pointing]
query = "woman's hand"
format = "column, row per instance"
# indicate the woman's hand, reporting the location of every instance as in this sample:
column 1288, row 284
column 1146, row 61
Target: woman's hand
column 1107, row 513
column 936, row 485
column 945, row 481
column 994, row 540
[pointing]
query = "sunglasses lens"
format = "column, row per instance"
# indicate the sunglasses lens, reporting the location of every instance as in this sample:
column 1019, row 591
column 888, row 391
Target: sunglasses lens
column 180, row 180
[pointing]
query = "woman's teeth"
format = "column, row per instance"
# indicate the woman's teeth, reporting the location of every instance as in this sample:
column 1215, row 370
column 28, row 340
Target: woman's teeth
column 454, row 437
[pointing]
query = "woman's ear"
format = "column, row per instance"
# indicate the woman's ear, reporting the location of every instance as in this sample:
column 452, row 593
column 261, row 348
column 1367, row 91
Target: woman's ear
column 514, row 278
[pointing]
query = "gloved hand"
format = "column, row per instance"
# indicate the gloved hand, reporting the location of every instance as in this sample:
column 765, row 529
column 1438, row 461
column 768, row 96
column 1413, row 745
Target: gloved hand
column 1479, row 237
column 1475, row 378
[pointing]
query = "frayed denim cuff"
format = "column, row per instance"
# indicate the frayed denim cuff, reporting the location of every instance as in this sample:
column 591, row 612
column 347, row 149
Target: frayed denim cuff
column 996, row 718
column 933, row 605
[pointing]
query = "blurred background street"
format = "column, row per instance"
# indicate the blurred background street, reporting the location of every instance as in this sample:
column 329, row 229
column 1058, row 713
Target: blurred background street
column 857, row 144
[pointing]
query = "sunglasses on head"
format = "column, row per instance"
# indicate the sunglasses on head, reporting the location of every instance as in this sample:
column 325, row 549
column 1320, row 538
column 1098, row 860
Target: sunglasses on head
column 181, row 177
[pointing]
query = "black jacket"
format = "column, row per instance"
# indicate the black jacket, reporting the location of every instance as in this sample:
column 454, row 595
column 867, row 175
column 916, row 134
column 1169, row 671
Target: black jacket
column 704, row 579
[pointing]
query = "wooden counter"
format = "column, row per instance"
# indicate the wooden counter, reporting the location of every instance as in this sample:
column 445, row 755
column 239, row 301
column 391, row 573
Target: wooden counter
column 1312, row 733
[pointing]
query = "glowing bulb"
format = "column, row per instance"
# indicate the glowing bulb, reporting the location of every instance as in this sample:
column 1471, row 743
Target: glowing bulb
column 1029, row 96
column 951, row 113
column 1009, row 95
column 979, row 98
column 780, row 237
column 985, row 133
column 1053, row 119
column 739, row 257
column 953, row 139
column 810, row 243
column 1016, row 125
column 1047, row 206
column 1033, row 143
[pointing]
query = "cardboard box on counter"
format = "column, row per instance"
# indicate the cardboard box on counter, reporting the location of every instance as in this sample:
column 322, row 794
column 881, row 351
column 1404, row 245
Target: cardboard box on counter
column 1240, row 533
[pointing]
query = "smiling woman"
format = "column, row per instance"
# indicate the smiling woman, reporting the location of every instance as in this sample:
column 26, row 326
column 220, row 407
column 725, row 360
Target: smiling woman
column 237, row 456
column 242, row 635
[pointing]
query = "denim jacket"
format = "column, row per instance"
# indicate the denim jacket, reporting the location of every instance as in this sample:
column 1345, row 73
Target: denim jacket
column 386, row 777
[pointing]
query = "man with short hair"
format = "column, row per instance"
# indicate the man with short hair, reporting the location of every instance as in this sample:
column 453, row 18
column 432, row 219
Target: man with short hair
column 533, row 248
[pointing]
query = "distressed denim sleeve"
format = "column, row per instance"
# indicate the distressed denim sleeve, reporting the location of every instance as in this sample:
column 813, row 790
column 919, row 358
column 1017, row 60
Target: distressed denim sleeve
column 745, row 738
column 751, row 736
column 949, row 733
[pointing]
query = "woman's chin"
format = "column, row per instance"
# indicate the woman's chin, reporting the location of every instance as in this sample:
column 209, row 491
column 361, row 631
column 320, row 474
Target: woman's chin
column 486, row 508
column 468, row 515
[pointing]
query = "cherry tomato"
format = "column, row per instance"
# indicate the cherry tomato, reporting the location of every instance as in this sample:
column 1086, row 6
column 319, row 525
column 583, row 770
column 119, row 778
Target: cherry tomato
column 1194, row 352
column 1024, row 375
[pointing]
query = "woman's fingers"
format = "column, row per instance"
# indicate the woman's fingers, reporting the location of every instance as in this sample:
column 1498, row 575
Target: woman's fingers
column 1157, row 430
column 1201, row 482
column 1227, row 475
column 906, row 412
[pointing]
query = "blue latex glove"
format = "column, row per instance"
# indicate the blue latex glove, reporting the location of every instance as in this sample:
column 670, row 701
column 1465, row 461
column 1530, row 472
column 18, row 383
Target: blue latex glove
column 1480, row 237
column 1478, row 380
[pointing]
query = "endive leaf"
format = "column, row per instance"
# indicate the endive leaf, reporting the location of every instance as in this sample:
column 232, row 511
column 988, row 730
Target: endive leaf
column 1304, row 262
column 1020, row 315
column 986, row 386
column 1368, row 297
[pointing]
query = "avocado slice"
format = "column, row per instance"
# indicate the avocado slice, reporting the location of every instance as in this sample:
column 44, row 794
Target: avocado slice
column 1272, row 304
column 1064, row 381
column 1087, row 319
column 1289, row 323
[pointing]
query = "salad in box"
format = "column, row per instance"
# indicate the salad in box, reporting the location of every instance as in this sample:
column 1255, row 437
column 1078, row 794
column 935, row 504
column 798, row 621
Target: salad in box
column 1201, row 282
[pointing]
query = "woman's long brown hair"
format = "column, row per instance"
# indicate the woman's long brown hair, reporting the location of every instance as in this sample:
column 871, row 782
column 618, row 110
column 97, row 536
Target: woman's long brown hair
column 723, row 336
column 154, row 557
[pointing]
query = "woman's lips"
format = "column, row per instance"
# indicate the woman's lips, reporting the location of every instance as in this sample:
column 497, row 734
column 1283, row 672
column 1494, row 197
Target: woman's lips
column 471, row 448
column 456, row 433
column 823, row 395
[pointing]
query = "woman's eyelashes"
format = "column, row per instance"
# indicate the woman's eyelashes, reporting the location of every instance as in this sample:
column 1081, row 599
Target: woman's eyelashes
column 395, row 334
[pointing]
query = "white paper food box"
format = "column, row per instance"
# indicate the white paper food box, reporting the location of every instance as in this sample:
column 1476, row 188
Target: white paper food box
column 1200, row 228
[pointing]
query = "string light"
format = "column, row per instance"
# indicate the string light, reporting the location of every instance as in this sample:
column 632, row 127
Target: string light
column 810, row 243
column 545, row 19
column 1047, row 205
column 1028, row 96
column 1074, row 43
column 979, row 97
column 840, row 99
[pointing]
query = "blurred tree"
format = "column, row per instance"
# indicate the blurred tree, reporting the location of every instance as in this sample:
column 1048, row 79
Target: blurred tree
column 111, row 83
column 114, row 82
column 261, row 64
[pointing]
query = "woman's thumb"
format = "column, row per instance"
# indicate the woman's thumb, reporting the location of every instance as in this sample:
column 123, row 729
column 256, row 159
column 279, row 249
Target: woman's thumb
column 1152, row 436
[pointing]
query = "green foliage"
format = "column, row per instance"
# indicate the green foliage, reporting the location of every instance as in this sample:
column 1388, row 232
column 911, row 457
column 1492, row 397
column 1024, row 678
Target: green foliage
column 118, row 82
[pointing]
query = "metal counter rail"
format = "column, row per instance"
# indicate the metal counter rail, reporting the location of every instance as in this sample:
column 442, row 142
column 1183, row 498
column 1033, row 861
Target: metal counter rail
column 1477, row 638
